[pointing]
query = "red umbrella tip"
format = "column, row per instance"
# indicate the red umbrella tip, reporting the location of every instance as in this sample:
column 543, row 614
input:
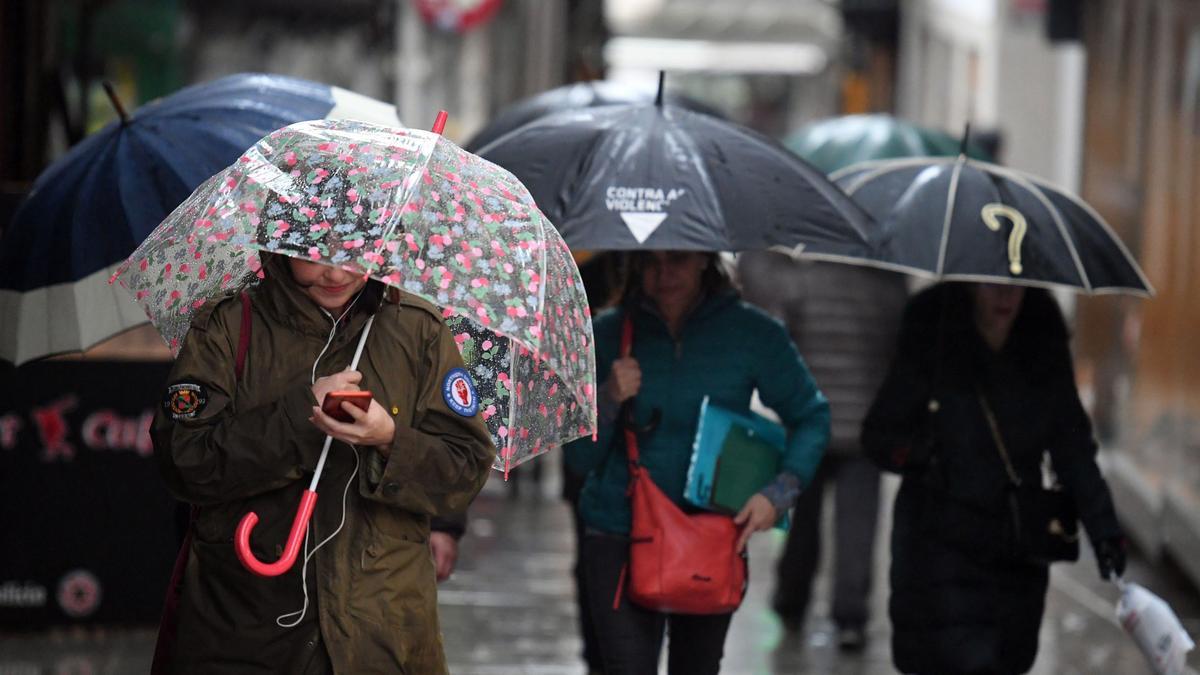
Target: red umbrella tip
column 439, row 123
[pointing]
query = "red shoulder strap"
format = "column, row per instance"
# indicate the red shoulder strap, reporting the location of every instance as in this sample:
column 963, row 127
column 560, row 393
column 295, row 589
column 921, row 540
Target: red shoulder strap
column 169, row 623
column 631, row 445
column 243, row 336
column 626, row 336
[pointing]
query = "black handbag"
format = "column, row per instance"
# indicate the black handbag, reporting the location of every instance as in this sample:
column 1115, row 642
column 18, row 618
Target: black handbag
column 1042, row 524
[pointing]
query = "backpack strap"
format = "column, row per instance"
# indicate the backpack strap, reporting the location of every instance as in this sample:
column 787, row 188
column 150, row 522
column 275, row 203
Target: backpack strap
column 243, row 336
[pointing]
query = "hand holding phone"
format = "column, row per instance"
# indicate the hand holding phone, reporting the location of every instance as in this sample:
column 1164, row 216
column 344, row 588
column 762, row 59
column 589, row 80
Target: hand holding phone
column 332, row 404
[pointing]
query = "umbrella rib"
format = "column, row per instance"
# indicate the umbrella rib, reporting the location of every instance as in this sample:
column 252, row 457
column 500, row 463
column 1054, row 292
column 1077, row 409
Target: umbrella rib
column 1129, row 258
column 1116, row 240
column 875, row 164
column 506, row 450
column 858, row 262
column 543, row 279
column 876, row 168
column 950, row 195
column 1062, row 227
column 1015, row 281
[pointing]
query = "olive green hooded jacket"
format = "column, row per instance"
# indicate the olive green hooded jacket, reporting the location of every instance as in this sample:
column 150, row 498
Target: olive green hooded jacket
column 247, row 445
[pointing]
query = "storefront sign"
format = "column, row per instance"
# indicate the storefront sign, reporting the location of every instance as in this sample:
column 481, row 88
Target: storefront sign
column 87, row 529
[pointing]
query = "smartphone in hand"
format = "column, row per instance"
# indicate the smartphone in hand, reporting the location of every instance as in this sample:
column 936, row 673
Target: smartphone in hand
column 332, row 405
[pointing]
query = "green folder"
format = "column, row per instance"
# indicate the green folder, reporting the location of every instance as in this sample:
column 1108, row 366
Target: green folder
column 747, row 463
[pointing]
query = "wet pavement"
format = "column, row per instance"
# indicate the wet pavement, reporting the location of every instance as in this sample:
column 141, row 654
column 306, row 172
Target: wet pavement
column 510, row 608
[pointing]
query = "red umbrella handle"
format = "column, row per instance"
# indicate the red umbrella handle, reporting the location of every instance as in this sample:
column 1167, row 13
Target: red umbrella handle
column 295, row 537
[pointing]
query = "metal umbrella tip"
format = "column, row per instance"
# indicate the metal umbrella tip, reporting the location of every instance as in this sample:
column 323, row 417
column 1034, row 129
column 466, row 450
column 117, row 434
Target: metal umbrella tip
column 116, row 102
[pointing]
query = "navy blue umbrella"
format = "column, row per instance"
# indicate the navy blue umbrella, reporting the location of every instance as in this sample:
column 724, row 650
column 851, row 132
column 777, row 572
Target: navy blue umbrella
column 90, row 209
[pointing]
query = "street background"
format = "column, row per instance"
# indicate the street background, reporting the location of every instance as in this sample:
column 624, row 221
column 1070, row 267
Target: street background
column 1100, row 98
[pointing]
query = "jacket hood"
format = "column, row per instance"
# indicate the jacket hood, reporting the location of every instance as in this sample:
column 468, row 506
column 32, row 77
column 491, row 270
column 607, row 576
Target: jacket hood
column 942, row 317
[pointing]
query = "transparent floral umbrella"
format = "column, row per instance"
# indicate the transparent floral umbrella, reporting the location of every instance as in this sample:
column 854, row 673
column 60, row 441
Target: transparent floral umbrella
column 414, row 211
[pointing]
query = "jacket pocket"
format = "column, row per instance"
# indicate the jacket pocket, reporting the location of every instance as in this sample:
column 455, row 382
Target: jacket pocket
column 396, row 584
column 390, row 523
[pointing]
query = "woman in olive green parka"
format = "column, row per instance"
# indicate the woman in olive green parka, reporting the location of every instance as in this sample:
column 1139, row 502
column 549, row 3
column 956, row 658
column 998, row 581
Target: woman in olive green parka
column 233, row 445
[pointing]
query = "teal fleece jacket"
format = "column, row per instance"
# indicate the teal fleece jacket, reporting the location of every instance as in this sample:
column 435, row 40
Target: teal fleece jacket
column 727, row 349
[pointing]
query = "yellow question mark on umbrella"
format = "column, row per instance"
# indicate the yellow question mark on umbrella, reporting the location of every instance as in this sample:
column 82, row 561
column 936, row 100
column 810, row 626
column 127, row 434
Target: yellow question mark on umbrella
column 991, row 217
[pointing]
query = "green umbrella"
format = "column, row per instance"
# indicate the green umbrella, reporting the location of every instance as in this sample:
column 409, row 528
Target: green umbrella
column 838, row 142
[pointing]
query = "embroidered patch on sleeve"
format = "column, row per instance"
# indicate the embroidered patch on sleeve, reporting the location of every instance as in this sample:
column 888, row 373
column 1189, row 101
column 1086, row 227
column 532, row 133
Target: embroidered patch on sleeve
column 185, row 400
column 459, row 393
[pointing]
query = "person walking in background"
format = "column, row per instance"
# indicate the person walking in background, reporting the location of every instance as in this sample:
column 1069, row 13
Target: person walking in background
column 843, row 320
column 982, row 384
column 693, row 338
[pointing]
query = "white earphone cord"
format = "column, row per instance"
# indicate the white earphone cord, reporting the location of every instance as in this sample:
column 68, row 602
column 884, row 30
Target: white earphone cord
column 282, row 620
column 299, row 614
column 332, row 332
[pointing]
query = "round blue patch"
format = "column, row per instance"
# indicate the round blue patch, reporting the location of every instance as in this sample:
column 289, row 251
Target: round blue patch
column 459, row 393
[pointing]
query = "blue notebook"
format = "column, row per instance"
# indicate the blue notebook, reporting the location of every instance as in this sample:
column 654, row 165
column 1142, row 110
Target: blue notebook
column 734, row 456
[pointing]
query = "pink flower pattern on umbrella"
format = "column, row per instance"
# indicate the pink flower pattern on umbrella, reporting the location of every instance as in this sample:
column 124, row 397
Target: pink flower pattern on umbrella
column 414, row 211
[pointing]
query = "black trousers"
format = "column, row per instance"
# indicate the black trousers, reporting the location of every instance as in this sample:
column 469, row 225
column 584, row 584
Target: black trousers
column 855, row 481
column 572, row 486
column 629, row 637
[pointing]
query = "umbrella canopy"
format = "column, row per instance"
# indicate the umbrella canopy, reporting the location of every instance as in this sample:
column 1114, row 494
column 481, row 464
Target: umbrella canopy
column 838, row 142
column 91, row 208
column 574, row 97
column 410, row 209
column 652, row 176
column 966, row 220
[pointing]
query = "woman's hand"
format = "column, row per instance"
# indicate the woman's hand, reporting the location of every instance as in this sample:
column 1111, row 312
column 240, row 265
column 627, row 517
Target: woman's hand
column 624, row 380
column 444, row 548
column 347, row 380
column 1110, row 557
column 757, row 514
column 373, row 426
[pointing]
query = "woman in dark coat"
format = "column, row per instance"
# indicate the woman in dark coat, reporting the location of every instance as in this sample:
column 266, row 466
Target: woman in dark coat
column 960, row 601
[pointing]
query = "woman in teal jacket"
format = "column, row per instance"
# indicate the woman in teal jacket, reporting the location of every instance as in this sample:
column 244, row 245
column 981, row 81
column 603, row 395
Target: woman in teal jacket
column 693, row 337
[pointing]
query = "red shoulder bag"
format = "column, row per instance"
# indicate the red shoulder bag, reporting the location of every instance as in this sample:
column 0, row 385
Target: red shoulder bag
column 678, row 563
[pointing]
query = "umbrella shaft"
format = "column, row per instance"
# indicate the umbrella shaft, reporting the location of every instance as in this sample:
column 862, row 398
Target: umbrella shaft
column 320, row 464
column 362, row 342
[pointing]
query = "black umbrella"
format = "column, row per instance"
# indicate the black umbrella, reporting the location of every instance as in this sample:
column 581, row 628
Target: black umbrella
column 657, row 176
column 575, row 97
column 967, row 220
